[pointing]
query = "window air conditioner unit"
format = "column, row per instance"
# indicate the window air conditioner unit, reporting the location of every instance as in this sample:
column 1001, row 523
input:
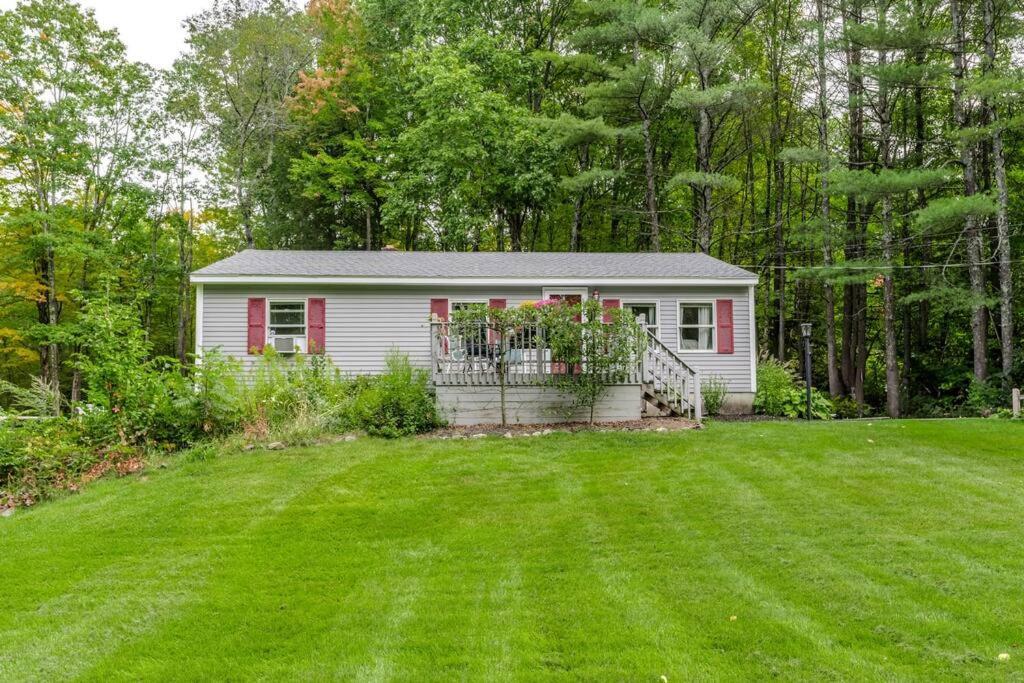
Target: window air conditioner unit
column 290, row 345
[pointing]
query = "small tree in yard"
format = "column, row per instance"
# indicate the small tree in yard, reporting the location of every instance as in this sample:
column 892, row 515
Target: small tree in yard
column 591, row 346
column 596, row 346
column 498, row 323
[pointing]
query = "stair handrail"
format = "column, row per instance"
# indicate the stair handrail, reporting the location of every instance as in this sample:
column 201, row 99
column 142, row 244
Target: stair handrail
column 678, row 381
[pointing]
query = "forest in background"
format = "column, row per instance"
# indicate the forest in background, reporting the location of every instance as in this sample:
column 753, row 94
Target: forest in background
column 863, row 157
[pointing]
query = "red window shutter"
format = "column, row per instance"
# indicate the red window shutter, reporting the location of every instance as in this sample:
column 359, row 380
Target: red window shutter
column 723, row 314
column 610, row 303
column 439, row 308
column 317, row 321
column 492, row 336
column 257, row 326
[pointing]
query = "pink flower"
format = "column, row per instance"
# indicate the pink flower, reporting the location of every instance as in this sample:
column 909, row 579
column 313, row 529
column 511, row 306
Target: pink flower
column 546, row 302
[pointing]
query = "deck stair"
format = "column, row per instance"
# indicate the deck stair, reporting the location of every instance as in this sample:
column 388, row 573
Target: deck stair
column 667, row 382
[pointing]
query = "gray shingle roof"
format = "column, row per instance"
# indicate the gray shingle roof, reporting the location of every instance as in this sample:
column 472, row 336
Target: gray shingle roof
column 427, row 264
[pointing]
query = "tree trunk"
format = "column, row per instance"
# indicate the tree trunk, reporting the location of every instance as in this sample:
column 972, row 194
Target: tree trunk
column 577, row 220
column 49, row 315
column 244, row 207
column 884, row 110
column 575, row 237
column 703, row 191
column 613, row 235
column 780, row 262
column 924, row 306
column 369, row 228
column 834, row 382
column 651, row 187
column 976, row 272
column 892, row 370
column 854, row 351
column 1002, row 197
column 184, row 288
column 516, row 221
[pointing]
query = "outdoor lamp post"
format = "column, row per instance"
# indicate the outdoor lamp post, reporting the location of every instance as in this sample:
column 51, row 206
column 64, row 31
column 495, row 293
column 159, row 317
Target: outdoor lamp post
column 805, row 330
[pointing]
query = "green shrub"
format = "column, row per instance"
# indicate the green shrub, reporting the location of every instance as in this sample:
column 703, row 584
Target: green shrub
column 847, row 408
column 713, row 390
column 775, row 387
column 217, row 404
column 985, row 398
column 779, row 395
column 41, row 456
column 303, row 397
column 398, row 402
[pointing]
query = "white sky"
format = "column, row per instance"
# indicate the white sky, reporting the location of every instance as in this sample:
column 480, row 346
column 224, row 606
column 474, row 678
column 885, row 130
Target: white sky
column 150, row 29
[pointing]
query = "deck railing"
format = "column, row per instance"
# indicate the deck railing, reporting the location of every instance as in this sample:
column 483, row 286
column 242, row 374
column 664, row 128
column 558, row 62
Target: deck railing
column 671, row 378
column 474, row 354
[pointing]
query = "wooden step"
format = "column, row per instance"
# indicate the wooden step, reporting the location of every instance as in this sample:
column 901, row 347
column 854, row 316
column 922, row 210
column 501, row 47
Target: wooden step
column 659, row 401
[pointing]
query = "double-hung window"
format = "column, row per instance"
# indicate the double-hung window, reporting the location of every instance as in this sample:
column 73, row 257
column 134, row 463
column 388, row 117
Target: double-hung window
column 696, row 326
column 644, row 313
column 287, row 319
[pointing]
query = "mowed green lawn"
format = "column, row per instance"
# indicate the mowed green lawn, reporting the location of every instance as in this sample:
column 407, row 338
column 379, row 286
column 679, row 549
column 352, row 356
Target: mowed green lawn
column 839, row 551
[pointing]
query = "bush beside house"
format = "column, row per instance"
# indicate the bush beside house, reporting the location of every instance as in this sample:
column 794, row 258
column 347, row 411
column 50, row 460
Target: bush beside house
column 134, row 405
column 779, row 394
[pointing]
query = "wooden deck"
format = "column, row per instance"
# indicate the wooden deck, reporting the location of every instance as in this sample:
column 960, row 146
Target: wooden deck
column 479, row 357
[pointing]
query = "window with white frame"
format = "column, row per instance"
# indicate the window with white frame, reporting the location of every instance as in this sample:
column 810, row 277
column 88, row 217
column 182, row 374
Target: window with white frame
column 287, row 319
column 476, row 339
column 644, row 313
column 696, row 326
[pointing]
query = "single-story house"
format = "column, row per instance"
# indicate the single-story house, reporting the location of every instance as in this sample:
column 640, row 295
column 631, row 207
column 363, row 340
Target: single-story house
column 356, row 306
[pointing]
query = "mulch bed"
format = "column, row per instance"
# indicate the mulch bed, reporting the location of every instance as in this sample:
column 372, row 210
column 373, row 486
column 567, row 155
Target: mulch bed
column 647, row 424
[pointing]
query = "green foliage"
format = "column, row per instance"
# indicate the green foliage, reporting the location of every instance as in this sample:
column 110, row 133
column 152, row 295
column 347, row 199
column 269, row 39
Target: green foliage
column 38, row 399
column 779, row 394
column 594, row 346
column 847, row 408
column 949, row 212
column 598, row 347
column 985, row 398
column 295, row 399
column 697, row 179
column 775, row 384
column 873, row 186
column 396, row 403
column 40, row 456
column 713, row 390
column 138, row 407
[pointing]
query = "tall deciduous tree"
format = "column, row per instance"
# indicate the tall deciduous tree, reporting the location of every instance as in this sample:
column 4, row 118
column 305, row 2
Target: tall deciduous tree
column 72, row 116
column 248, row 55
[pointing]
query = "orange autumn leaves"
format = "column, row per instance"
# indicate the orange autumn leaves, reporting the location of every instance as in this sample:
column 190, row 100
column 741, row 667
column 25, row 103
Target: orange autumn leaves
column 316, row 90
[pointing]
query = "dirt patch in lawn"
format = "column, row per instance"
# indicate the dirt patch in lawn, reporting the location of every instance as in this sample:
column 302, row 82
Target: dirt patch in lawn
column 647, row 424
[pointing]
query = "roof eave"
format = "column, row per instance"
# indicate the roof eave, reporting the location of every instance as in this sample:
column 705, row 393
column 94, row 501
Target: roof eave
column 212, row 278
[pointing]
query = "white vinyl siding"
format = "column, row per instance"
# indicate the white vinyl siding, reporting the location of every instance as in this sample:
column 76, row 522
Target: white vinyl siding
column 736, row 368
column 365, row 322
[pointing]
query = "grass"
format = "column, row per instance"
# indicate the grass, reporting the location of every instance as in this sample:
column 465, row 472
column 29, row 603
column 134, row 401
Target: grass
column 892, row 550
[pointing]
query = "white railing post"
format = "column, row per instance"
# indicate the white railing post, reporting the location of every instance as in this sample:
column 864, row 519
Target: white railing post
column 434, row 364
column 697, row 409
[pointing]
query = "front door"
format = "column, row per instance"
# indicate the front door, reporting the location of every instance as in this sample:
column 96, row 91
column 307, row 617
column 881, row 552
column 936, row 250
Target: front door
column 572, row 295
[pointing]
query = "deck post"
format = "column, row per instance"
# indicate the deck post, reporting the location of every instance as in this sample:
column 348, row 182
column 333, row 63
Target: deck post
column 434, row 369
column 698, row 409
